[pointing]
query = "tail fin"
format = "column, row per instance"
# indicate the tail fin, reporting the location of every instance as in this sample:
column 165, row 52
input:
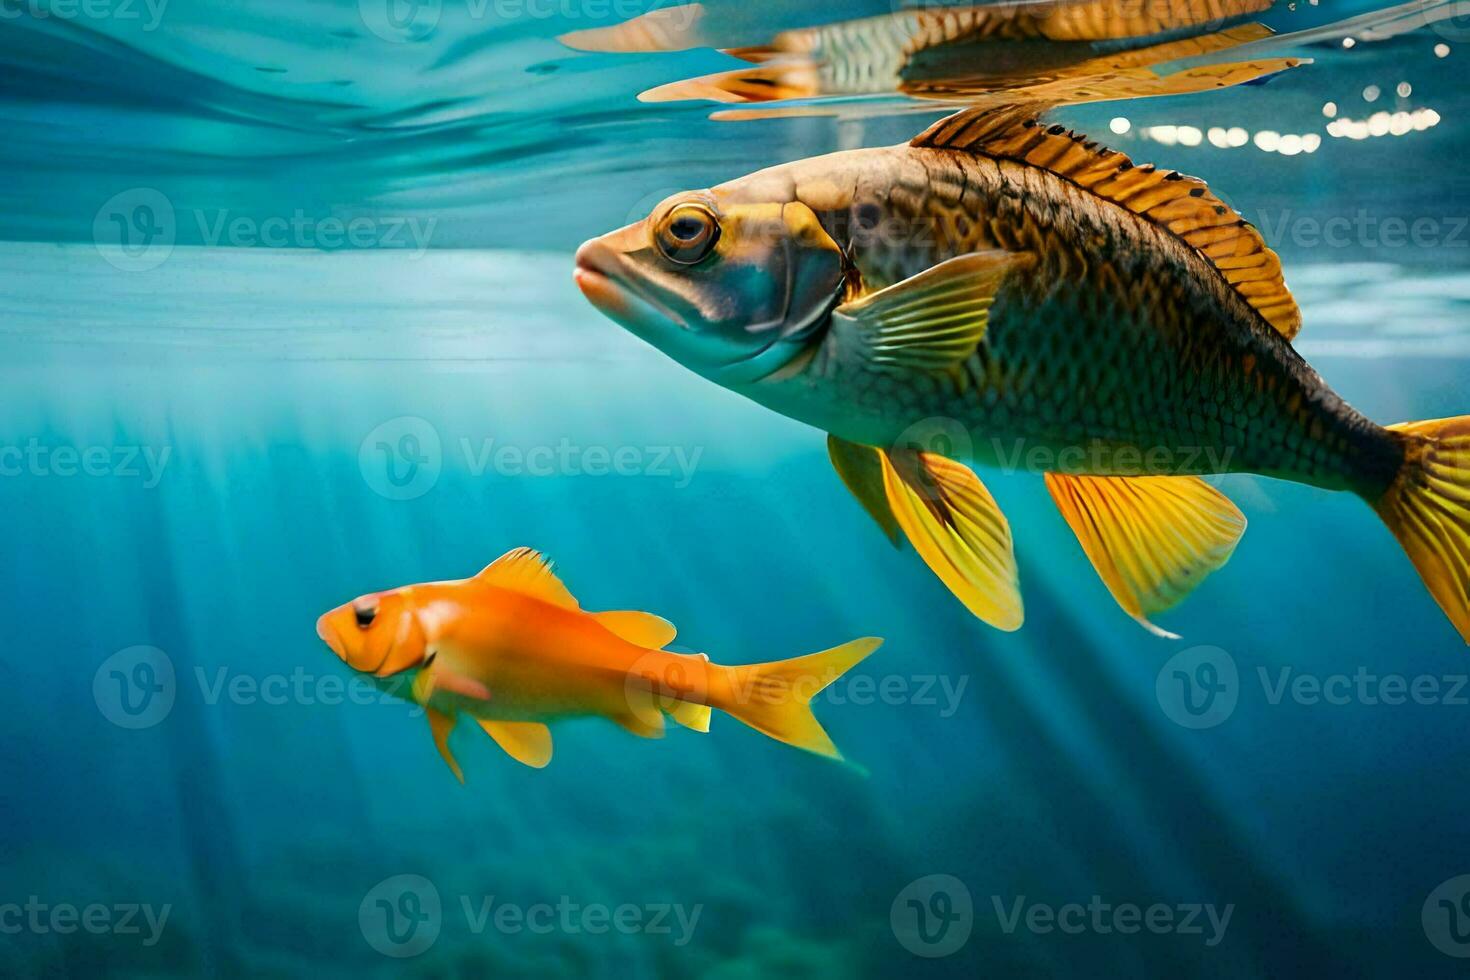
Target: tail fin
column 1428, row 509
column 775, row 699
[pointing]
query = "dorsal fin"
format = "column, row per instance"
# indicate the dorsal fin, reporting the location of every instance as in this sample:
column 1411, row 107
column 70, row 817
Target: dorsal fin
column 640, row 628
column 528, row 572
column 1183, row 206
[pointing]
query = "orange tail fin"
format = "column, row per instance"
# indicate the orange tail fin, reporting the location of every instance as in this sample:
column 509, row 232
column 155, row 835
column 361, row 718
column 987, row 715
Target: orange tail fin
column 775, row 699
column 1428, row 509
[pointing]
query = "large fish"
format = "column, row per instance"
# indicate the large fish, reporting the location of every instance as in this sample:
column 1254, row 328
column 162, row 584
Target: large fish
column 1058, row 53
column 512, row 649
column 1116, row 326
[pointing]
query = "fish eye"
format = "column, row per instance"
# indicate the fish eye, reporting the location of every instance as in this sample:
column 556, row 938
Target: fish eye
column 365, row 612
column 687, row 234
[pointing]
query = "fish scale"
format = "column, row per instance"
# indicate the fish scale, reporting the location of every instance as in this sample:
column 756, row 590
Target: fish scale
column 1120, row 340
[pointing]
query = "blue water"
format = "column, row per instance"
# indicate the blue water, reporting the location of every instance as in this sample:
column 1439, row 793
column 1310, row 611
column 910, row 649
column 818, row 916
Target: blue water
column 203, row 448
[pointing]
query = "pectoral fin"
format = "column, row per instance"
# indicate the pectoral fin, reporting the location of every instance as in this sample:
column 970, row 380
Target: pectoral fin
column 933, row 320
column 440, row 725
column 1152, row 539
column 433, row 678
column 958, row 530
column 861, row 470
column 527, row 742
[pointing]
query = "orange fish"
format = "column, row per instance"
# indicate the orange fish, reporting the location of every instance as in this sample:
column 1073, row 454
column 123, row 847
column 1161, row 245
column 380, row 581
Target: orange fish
column 512, row 649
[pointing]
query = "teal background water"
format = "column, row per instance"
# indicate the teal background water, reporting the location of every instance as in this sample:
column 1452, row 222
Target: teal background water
column 239, row 410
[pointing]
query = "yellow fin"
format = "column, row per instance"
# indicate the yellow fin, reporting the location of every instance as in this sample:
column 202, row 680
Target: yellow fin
column 639, row 628
column 423, row 686
column 440, row 725
column 1152, row 539
column 775, row 698
column 687, row 713
column 528, row 572
column 861, row 470
column 1183, row 206
column 692, row 716
column 958, row 530
column 1428, row 509
column 933, row 320
column 527, row 742
column 645, row 723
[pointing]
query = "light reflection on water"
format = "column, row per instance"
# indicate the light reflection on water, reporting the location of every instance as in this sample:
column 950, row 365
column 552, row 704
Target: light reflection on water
column 274, row 110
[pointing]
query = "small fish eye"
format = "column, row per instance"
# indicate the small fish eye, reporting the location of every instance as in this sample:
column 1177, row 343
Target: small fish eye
column 687, row 234
column 365, row 613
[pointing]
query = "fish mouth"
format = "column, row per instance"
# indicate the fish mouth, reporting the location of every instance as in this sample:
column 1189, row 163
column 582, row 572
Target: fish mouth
column 598, row 274
column 330, row 638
